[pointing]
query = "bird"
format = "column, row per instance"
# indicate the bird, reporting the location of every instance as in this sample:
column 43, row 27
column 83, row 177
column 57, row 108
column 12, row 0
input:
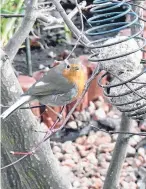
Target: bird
column 59, row 86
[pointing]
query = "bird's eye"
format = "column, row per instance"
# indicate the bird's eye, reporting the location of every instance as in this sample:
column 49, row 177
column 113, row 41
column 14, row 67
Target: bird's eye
column 68, row 66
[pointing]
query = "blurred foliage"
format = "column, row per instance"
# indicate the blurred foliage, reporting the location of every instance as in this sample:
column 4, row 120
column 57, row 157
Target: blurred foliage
column 9, row 25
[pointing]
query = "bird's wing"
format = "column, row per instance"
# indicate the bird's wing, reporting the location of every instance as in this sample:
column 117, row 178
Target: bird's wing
column 50, row 84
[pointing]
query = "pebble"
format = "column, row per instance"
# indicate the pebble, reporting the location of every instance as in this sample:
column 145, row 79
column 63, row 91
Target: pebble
column 91, row 108
column 141, row 152
column 137, row 162
column 125, row 185
column 76, row 183
column 76, row 114
column 81, row 140
column 83, row 116
column 69, row 163
column 85, row 182
column 129, row 160
column 99, row 114
column 102, row 138
column 79, row 123
column 68, row 147
column 72, row 125
column 98, row 183
column 104, row 165
column 59, row 156
column 91, row 139
column 131, row 151
column 83, row 153
column 92, row 159
column 108, row 157
column 56, row 149
column 134, row 140
column 106, row 147
column 67, row 156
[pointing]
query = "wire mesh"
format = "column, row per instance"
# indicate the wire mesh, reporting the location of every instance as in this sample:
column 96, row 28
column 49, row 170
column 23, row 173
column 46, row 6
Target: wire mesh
column 120, row 54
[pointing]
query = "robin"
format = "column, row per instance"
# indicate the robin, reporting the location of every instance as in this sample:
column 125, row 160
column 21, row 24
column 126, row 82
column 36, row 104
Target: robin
column 59, row 86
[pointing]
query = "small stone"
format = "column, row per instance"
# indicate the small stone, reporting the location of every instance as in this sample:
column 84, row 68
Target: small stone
column 108, row 157
column 81, row 140
column 134, row 140
column 114, row 137
column 138, row 162
column 99, row 114
column 67, row 156
column 56, row 149
column 84, row 116
column 80, row 147
column 69, row 163
column 85, row 182
column 98, row 104
column 133, row 185
column 129, row 160
column 66, row 169
column 104, row 164
column 72, row 125
column 91, row 139
column 91, row 107
column 76, row 114
column 131, row 151
column 125, row 164
column 125, row 185
column 101, row 157
column 68, row 147
column 103, row 178
column 141, row 152
column 80, row 167
column 102, row 172
column 102, row 138
column 83, row 153
column 76, row 184
column 106, row 147
column 76, row 157
column 59, row 156
column 98, row 184
column 92, row 159
column 79, row 123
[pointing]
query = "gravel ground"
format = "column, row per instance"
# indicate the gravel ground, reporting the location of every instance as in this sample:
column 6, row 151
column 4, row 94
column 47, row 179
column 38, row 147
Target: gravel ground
column 85, row 159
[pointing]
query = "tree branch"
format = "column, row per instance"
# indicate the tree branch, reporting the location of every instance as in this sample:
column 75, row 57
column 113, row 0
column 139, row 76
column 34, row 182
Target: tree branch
column 118, row 157
column 40, row 170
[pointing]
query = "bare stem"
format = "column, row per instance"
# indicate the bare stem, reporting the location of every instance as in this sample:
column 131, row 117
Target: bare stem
column 119, row 154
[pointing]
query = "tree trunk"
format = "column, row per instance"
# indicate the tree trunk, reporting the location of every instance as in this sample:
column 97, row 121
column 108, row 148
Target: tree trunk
column 38, row 171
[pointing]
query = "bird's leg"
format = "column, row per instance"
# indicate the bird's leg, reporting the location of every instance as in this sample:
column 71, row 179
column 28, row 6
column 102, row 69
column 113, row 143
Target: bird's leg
column 59, row 115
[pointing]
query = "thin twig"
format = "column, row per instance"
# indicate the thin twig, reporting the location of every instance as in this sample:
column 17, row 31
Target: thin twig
column 82, row 29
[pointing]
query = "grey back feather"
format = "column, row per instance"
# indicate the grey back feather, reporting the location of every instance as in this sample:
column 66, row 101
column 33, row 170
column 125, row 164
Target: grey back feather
column 52, row 82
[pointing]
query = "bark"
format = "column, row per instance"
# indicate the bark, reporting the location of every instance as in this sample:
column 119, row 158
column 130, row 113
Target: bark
column 40, row 170
column 118, row 157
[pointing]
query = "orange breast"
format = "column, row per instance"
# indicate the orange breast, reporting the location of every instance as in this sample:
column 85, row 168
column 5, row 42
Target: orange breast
column 77, row 77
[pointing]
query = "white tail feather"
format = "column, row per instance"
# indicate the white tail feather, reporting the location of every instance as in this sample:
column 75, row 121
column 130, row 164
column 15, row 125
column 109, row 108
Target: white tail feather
column 16, row 105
